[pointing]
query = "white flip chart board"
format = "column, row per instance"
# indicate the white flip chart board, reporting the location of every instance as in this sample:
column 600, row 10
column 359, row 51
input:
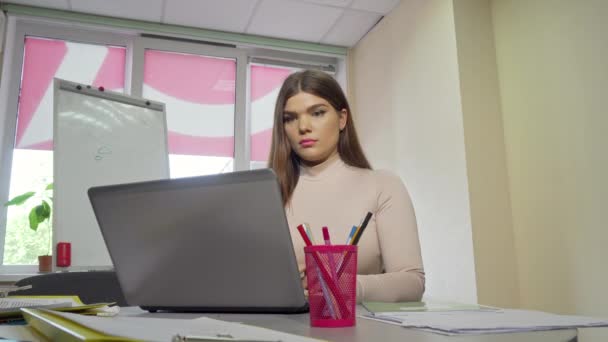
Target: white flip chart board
column 100, row 138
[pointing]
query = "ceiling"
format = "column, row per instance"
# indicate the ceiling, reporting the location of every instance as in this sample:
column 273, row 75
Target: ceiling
column 334, row 22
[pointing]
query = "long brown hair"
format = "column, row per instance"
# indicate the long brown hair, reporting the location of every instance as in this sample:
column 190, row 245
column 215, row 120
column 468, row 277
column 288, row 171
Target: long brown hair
column 283, row 160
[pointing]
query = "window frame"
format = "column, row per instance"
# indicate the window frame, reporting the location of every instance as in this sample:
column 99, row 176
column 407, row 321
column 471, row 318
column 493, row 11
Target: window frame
column 241, row 120
column 135, row 42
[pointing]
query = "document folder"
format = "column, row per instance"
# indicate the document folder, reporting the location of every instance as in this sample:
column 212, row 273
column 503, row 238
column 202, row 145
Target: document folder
column 57, row 328
column 62, row 326
column 56, row 303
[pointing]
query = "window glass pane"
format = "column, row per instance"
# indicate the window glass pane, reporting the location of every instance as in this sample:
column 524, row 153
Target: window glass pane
column 32, row 164
column 266, row 80
column 199, row 95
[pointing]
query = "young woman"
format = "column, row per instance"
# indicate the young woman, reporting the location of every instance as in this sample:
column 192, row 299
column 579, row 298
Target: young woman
column 326, row 180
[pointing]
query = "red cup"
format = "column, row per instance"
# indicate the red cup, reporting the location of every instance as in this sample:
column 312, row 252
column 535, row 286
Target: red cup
column 64, row 254
column 331, row 274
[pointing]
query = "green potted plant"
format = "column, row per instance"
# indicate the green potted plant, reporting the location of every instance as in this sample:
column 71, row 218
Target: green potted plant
column 38, row 214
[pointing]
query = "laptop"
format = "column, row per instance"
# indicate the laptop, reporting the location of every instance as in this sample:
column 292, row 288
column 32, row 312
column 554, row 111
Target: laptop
column 217, row 243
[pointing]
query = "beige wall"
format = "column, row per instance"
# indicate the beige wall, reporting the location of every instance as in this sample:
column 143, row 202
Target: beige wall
column 525, row 82
column 404, row 85
column 495, row 261
column 553, row 72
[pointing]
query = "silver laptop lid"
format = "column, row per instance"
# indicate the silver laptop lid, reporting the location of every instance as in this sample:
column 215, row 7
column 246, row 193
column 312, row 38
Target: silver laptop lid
column 209, row 243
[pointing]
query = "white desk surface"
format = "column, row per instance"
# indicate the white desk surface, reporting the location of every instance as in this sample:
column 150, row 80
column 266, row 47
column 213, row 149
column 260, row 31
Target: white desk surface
column 365, row 330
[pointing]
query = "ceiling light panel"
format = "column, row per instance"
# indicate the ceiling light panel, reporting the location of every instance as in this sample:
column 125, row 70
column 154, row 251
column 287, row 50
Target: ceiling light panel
column 222, row 15
column 150, row 10
column 296, row 20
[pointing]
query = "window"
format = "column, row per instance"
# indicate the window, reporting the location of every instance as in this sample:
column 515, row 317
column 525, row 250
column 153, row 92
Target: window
column 32, row 157
column 266, row 80
column 219, row 105
column 199, row 94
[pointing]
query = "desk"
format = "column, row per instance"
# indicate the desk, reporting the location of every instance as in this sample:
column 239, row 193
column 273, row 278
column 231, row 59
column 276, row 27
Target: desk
column 365, row 330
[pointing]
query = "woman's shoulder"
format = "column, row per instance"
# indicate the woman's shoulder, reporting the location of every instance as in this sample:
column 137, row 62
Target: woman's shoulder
column 386, row 178
column 389, row 182
column 383, row 179
column 390, row 188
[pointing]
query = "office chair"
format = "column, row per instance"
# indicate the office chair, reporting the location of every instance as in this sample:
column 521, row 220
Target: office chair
column 91, row 287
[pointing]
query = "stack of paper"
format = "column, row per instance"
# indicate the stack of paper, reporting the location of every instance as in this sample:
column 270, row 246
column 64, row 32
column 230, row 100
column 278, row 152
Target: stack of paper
column 6, row 289
column 483, row 321
column 10, row 307
column 390, row 308
column 14, row 304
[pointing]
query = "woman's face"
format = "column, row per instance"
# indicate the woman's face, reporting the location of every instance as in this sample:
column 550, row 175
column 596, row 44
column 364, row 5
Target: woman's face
column 313, row 127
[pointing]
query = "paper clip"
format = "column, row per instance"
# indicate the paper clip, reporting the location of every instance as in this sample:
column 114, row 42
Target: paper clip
column 217, row 337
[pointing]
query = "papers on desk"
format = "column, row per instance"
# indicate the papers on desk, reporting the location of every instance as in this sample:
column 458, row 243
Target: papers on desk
column 392, row 308
column 10, row 307
column 14, row 304
column 483, row 321
column 5, row 290
column 47, row 323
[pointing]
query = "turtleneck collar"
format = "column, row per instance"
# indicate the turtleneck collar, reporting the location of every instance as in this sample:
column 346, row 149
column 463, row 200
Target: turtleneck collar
column 323, row 169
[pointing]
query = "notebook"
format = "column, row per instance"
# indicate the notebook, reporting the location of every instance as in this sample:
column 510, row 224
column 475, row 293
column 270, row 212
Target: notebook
column 217, row 243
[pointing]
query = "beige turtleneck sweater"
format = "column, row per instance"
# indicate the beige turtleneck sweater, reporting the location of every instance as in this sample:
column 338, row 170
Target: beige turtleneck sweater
column 338, row 196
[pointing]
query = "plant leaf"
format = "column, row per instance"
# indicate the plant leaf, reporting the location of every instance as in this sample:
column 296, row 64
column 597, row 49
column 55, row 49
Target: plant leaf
column 45, row 212
column 19, row 200
column 42, row 212
column 33, row 219
column 49, row 187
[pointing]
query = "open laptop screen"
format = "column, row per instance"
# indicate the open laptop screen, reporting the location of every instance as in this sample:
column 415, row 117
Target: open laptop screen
column 209, row 243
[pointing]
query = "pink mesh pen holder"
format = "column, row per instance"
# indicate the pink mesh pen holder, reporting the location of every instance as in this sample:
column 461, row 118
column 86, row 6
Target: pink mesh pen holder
column 331, row 273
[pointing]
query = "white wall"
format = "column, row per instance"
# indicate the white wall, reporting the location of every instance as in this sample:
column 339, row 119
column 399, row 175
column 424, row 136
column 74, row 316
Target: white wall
column 2, row 37
column 404, row 86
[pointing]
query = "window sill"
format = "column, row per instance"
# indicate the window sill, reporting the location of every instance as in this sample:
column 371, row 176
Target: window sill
column 14, row 277
column 14, row 273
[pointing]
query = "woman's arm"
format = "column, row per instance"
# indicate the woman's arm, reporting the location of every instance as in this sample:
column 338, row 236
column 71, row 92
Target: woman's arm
column 397, row 231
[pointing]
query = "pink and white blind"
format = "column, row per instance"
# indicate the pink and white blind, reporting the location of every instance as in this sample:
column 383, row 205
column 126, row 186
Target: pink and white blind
column 45, row 59
column 198, row 91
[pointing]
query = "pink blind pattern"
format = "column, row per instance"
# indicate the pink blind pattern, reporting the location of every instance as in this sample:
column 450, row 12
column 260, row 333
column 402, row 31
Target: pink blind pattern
column 265, row 84
column 45, row 59
column 199, row 92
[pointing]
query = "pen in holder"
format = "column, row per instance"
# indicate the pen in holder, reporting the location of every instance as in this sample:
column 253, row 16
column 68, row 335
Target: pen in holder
column 331, row 295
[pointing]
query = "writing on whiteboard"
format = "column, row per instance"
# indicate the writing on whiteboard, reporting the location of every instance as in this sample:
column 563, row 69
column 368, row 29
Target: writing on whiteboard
column 102, row 151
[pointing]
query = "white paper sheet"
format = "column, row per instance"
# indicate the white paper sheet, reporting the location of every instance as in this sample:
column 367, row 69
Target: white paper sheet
column 489, row 322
